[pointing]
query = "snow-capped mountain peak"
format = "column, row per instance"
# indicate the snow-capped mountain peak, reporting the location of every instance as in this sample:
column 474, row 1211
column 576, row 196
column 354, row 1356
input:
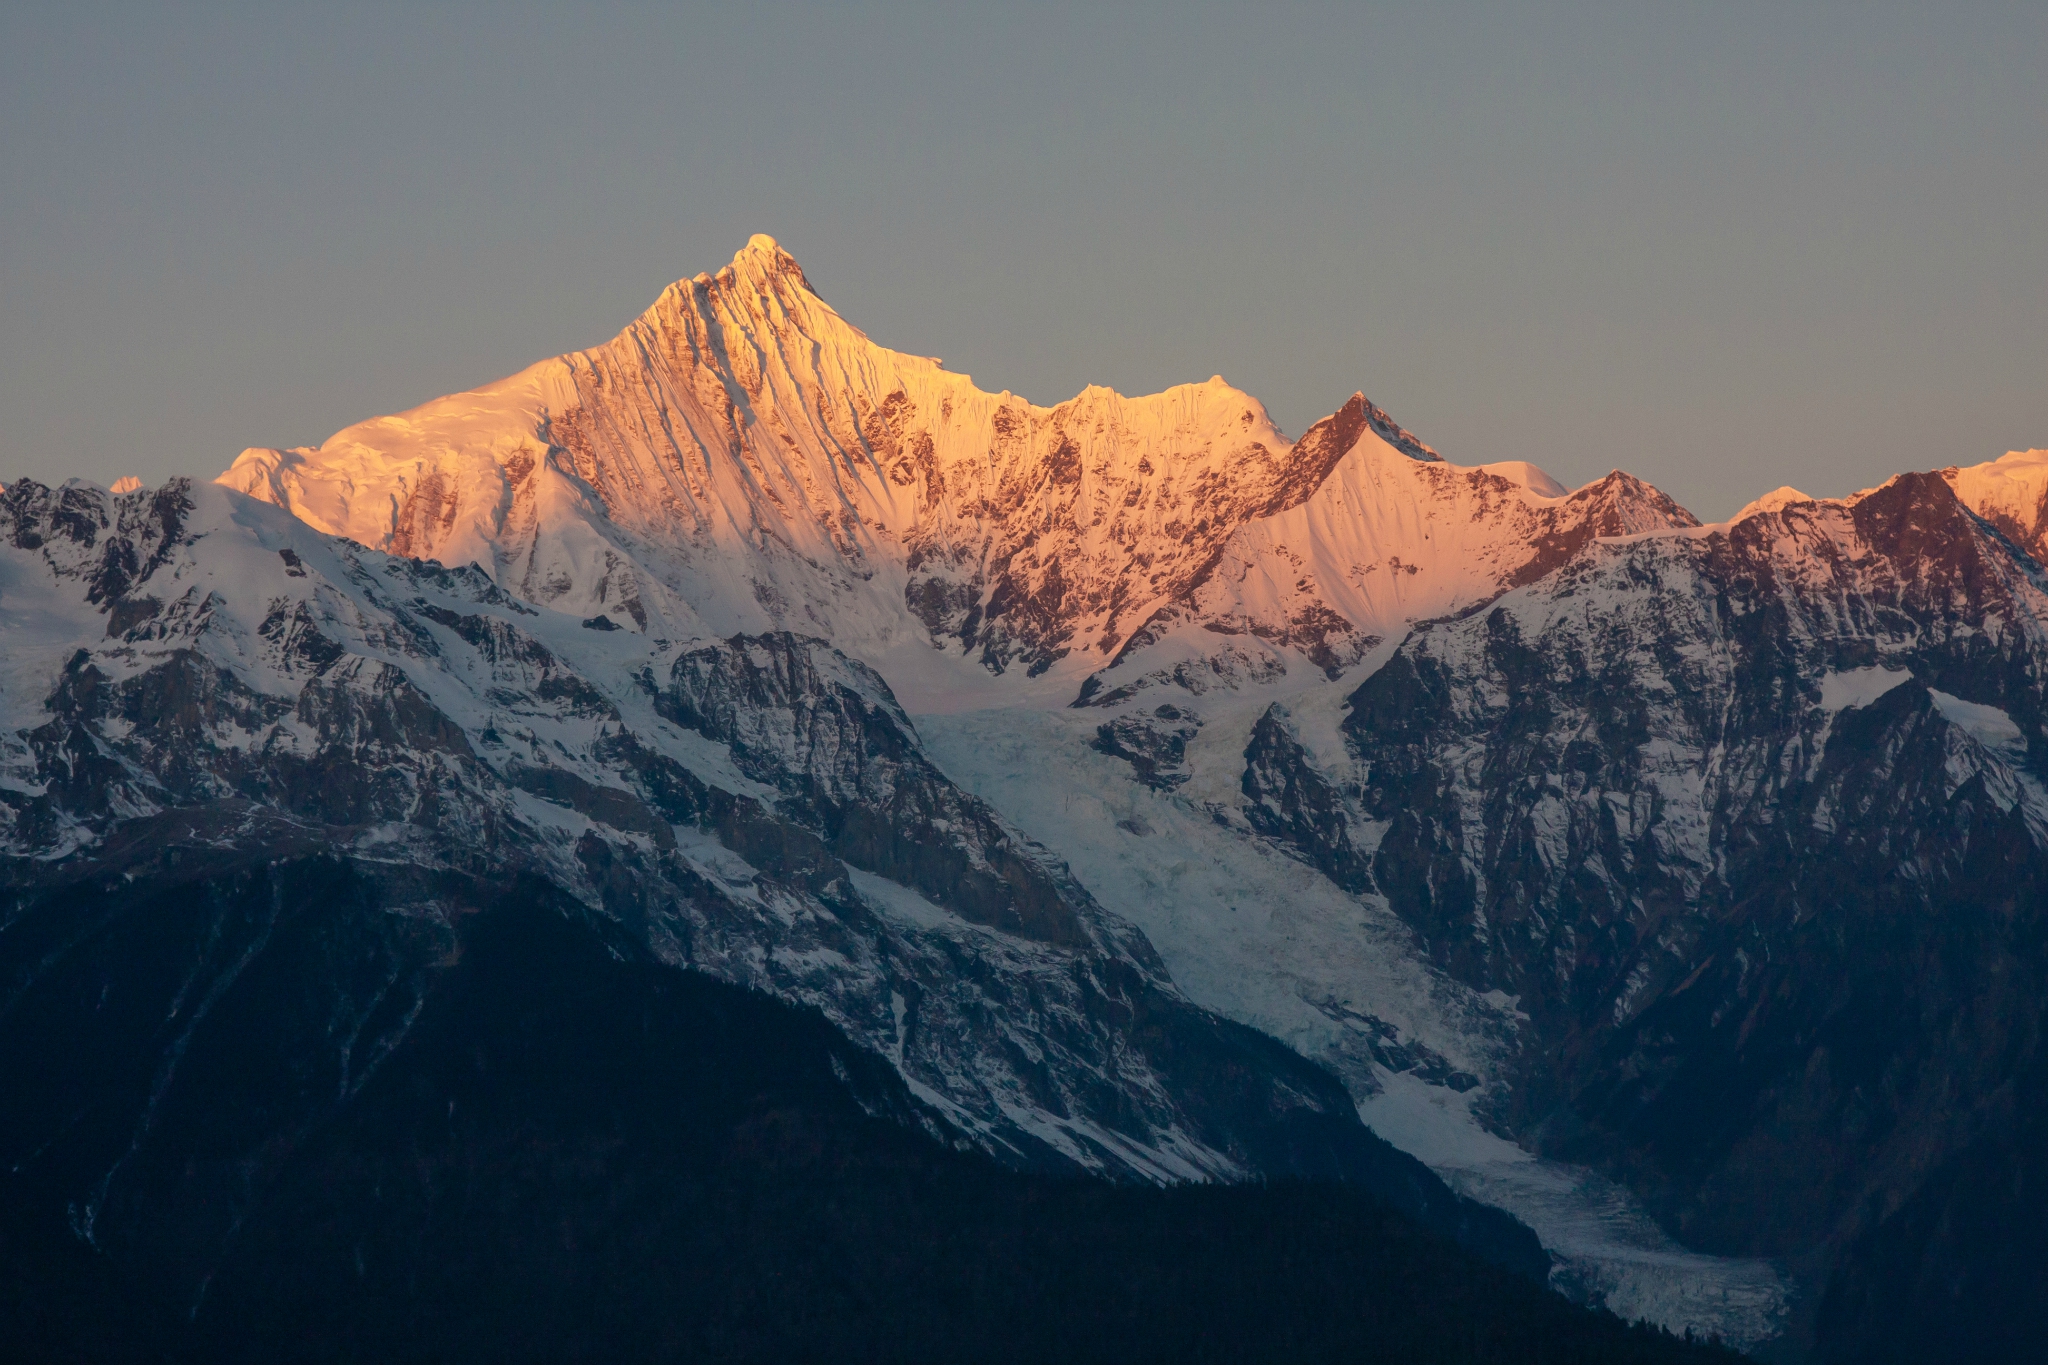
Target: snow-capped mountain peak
column 1775, row 500
column 742, row 458
column 2011, row 493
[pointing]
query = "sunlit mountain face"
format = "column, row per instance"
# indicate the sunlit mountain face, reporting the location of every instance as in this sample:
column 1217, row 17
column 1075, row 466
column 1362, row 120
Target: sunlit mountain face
column 1121, row 790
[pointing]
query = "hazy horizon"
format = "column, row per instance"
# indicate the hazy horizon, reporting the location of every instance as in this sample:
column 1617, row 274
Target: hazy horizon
column 1726, row 250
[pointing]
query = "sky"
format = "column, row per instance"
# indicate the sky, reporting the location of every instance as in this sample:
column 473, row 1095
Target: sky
column 1723, row 246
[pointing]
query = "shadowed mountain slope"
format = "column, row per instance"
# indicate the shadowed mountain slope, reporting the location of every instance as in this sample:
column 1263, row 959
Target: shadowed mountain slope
column 543, row 1144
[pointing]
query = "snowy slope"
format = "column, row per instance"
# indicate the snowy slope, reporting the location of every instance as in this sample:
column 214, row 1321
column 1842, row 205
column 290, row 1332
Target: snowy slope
column 2011, row 493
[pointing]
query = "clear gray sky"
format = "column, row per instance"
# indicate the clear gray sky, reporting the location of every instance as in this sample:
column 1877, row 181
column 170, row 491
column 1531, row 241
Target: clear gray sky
column 1723, row 246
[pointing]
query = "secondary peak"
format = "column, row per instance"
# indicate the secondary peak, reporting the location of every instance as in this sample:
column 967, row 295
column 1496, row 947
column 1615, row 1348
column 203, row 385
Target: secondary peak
column 763, row 253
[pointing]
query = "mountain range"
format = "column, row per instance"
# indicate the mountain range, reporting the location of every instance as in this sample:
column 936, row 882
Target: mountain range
column 1126, row 789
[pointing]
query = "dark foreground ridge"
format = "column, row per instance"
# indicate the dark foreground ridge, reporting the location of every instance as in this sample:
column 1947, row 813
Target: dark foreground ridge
column 539, row 1144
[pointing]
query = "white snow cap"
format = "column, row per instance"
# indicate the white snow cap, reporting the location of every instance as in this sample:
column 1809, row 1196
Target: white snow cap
column 2015, row 467
column 2015, row 458
column 1774, row 501
column 127, row 483
column 2011, row 493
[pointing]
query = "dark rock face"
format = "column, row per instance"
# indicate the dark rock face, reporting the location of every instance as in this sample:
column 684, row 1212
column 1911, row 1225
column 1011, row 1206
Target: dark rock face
column 825, row 731
column 111, row 543
column 1289, row 801
column 1155, row 743
column 1753, row 824
column 1614, row 506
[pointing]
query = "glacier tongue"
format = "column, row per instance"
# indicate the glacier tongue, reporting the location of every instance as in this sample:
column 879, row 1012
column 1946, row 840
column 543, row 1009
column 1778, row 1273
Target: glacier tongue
column 1608, row 1248
column 1266, row 940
